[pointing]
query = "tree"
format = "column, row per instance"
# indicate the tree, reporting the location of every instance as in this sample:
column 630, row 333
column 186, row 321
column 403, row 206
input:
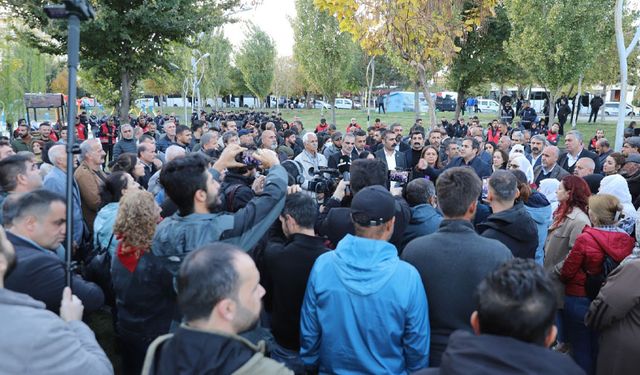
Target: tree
column 554, row 41
column 323, row 52
column 128, row 37
column 286, row 78
column 421, row 32
column 623, row 54
column 60, row 84
column 256, row 60
column 217, row 65
column 482, row 57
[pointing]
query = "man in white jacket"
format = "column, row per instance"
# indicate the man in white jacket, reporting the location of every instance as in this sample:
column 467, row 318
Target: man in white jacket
column 35, row 340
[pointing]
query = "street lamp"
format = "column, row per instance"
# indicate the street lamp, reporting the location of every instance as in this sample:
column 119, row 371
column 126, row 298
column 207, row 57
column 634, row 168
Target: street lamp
column 74, row 11
column 196, row 80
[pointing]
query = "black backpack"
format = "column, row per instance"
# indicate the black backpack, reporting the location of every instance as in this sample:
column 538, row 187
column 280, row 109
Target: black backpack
column 594, row 282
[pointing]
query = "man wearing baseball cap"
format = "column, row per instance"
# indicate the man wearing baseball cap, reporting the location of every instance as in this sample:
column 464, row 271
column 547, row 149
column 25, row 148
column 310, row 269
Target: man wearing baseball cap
column 365, row 310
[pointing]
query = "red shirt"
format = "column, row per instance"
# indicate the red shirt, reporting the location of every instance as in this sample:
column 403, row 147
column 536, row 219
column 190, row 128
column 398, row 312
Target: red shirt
column 322, row 128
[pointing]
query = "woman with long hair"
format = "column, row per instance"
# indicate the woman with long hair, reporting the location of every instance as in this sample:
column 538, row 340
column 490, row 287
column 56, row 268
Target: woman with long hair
column 613, row 163
column 129, row 163
column 429, row 158
column 569, row 219
column 140, row 281
column 500, row 160
column 586, row 258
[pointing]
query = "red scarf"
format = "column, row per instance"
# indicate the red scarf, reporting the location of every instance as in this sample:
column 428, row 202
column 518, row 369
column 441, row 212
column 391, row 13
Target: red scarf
column 128, row 255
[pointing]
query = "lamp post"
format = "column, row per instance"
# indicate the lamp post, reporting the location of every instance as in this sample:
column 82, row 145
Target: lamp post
column 74, row 11
column 196, row 81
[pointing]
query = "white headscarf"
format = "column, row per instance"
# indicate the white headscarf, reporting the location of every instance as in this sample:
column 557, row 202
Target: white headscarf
column 516, row 150
column 549, row 187
column 525, row 166
column 617, row 186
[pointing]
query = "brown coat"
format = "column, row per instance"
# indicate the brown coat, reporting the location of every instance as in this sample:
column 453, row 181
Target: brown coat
column 90, row 182
column 559, row 242
column 615, row 313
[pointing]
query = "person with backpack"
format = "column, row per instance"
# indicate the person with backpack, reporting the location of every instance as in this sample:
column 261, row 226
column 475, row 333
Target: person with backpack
column 597, row 251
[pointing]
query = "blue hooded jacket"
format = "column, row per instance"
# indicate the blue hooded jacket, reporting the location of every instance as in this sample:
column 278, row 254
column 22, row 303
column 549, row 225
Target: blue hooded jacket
column 539, row 209
column 364, row 311
column 103, row 227
column 424, row 220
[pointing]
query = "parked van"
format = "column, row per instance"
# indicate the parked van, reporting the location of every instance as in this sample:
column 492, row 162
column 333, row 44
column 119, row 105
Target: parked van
column 342, row 103
column 487, row 105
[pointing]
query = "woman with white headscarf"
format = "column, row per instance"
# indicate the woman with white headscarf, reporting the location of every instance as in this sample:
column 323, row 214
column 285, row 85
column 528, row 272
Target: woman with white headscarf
column 548, row 187
column 520, row 162
column 617, row 186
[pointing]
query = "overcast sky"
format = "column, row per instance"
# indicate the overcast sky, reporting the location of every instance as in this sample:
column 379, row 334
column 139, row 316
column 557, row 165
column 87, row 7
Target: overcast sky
column 271, row 17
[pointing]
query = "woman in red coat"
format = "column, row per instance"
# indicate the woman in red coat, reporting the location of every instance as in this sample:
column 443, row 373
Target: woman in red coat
column 587, row 256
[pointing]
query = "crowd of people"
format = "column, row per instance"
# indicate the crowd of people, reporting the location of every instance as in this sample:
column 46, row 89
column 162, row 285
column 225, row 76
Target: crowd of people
column 247, row 244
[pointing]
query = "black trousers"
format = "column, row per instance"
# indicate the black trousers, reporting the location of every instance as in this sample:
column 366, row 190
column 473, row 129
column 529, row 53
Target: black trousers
column 594, row 113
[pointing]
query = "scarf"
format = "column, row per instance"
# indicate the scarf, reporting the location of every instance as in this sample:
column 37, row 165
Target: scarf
column 128, row 255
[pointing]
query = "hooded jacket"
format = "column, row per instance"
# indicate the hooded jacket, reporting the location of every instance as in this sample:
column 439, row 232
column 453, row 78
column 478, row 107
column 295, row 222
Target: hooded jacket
column 103, row 228
column 587, row 255
column 514, row 228
column 424, row 220
column 540, row 211
column 500, row 355
column 364, row 311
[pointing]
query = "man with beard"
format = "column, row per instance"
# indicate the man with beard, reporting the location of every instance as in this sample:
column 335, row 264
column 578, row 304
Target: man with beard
column 65, row 345
column 195, row 188
column 219, row 293
column 414, row 154
column 24, row 140
column 537, row 143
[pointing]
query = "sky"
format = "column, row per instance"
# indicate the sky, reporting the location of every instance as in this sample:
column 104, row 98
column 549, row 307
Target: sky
column 271, row 17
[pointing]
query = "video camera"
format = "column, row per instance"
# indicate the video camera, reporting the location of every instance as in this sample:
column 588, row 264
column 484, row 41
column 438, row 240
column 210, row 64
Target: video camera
column 321, row 183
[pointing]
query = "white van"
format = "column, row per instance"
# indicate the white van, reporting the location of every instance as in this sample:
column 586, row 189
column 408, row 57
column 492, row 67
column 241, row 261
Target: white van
column 342, row 103
column 487, row 105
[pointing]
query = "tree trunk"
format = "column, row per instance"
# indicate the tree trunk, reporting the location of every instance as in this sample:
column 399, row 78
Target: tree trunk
column 576, row 103
column 623, row 54
column 427, row 94
column 552, row 106
column 125, row 97
column 416, row 101
column 459, row 102
column 332, row 102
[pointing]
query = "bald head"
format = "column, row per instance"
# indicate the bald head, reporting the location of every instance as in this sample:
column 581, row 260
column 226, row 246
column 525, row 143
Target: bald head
column 550, row 156
column 584, row 167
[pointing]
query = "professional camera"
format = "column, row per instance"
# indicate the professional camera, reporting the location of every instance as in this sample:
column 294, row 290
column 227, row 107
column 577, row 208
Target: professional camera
column 322, row 183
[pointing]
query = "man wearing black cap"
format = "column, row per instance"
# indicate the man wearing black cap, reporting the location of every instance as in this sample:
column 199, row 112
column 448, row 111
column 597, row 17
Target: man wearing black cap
column 365, row 310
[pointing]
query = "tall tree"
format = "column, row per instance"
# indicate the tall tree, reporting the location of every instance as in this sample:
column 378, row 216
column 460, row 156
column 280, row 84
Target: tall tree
column 624, row 52
column 482, row 57
column 555, row 40
column 127, row 38
column 217, row 65
column 323, row 52
column 256, row 60
column 421, row 32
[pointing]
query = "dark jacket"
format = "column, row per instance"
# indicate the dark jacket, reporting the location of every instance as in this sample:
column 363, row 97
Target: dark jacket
column 164, row 143
column 563, row 161
column 192, row 351
column 125, row 146
column 41, row 274
column 515, row 229
column 452, row 262
column 412, row 157
column 424, row 220
column 285, row 277
column 399, row 155
column 481, row 168
column 145, row 298
column 500, row 355
column 337, row 223
column 557, row 172
column 235, row 191
column 334, row 159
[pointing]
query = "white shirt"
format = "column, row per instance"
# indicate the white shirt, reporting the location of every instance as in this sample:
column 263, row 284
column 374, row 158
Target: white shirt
column 309, row 161
column 391, row 160
column 571, row 160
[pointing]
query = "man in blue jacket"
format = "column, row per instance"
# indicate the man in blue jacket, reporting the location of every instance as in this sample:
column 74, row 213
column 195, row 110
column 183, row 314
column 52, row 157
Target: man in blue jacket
column 365, row 310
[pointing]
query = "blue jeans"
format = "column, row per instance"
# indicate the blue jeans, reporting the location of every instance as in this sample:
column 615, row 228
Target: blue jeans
column 288, row 357
column 583, row 340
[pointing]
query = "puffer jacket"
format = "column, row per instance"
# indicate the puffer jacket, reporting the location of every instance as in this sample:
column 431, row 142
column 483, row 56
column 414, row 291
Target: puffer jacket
column 587, row 255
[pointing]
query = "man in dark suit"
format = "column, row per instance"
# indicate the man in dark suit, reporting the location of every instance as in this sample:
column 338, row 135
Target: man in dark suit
column 549, row 167
column 603, row 149
column 393, row 159
column 469, row 158
column 348, row 143
column 575, row 150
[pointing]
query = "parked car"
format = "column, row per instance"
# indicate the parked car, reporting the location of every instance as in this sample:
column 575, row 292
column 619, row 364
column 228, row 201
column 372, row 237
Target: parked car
column 611, row 109
column 342, row 103
column 446, row 104
column 487, row 105
column 318, row 104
